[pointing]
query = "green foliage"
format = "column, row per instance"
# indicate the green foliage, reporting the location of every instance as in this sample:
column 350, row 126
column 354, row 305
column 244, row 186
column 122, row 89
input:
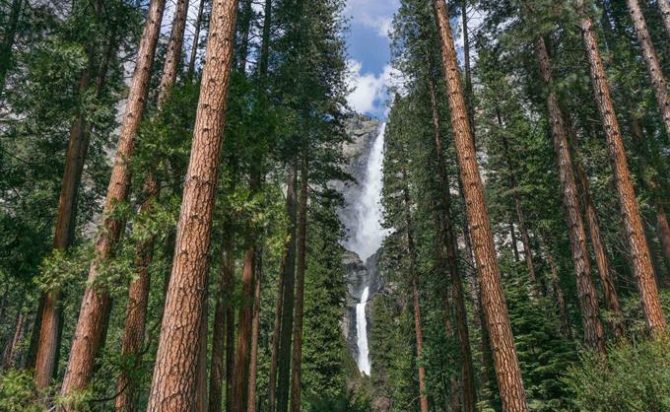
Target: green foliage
column 18, row 392
column 635, row 377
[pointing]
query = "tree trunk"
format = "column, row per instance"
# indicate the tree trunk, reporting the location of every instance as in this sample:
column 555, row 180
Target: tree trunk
column 276, row 331
column 658, row 80
column 48, row 322
column 411, row 252
column 223, row 299
column 8, row 42
column 609, row 291
column 11, row 350
column 639, row 249
column 558, row 293
column 663, row 231
column 244, row 30
column 284, row 358
column 174, row 379
column 201, row 404
column 241, row 368
column 173, row 55
column 135, row 323
column 138, row 291
column 525, row 238
column 423, row 395
column 508, row 373
column 296, row 370
column 466, row 63
column 594, row 335
column 664, row 7
column 450, row 244
column 196, row 39
column 255, row 329
column 95, row 305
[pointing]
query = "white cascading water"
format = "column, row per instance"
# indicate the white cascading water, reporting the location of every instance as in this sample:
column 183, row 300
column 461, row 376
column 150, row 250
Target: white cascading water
column 362, row 334
column 367, row 236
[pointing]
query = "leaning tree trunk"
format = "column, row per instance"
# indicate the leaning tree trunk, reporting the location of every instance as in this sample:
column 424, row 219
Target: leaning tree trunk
column 664, row 7
column 48, row 321
column 12, row 348
column 296, row 362
column 469, row 391
column 508, row 373
column 609, row 291
column 95, row 305
column 175, row 372
column 658, row 80
column 639, row 249
column 136, row 315
column 196, row 39
column 594, row 334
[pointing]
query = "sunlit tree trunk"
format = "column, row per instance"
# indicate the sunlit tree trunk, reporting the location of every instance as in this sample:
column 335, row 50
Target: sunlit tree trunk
column 175, row 372
column 95, row 304
column 658, row 81
column 508, row 373
column 638, row 247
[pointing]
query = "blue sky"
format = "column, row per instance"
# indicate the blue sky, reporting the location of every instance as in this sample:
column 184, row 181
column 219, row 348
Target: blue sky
column 369, row 53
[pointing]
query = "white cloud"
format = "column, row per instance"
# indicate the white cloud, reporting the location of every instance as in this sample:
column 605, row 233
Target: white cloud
column 369, row 91
column 381, row 24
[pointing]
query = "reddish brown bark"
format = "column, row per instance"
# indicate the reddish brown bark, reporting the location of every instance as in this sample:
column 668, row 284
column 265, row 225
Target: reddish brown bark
column 241, row 365
column 639, row 249
column 134, row 326
column 448, row 240
column 95, row 305
column 296, row 361
column 222, row 309
column 173, row 54
column 594, row 334
column 508, row 373
column 607, row 282
column 255, row 329
column 175, row 373
column 658, row 81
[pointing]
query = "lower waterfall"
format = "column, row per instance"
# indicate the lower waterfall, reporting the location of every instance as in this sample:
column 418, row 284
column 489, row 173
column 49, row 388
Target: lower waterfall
column 362, row 334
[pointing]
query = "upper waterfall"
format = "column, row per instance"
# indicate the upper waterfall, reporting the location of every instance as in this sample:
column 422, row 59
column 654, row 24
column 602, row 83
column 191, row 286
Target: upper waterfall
column 367, row 233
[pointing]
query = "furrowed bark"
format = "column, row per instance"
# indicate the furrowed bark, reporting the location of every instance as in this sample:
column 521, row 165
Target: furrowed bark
column 96, row 302
column 449, row 242
column 658, row 81
column 594, row 334
column 175, row 373
column 508, row 373
column 639, row 249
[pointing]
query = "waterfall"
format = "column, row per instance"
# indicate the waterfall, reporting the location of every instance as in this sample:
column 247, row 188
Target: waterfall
column 367, row 235
column 362, row 334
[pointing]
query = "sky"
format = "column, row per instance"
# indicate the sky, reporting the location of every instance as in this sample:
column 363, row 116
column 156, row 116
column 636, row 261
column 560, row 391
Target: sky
column 368, row 47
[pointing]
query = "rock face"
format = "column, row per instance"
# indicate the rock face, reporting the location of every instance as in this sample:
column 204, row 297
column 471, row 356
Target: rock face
column 359, row 274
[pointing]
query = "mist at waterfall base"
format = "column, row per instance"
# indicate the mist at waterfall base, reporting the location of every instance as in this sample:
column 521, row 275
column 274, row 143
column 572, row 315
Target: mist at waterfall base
column 367, row 235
